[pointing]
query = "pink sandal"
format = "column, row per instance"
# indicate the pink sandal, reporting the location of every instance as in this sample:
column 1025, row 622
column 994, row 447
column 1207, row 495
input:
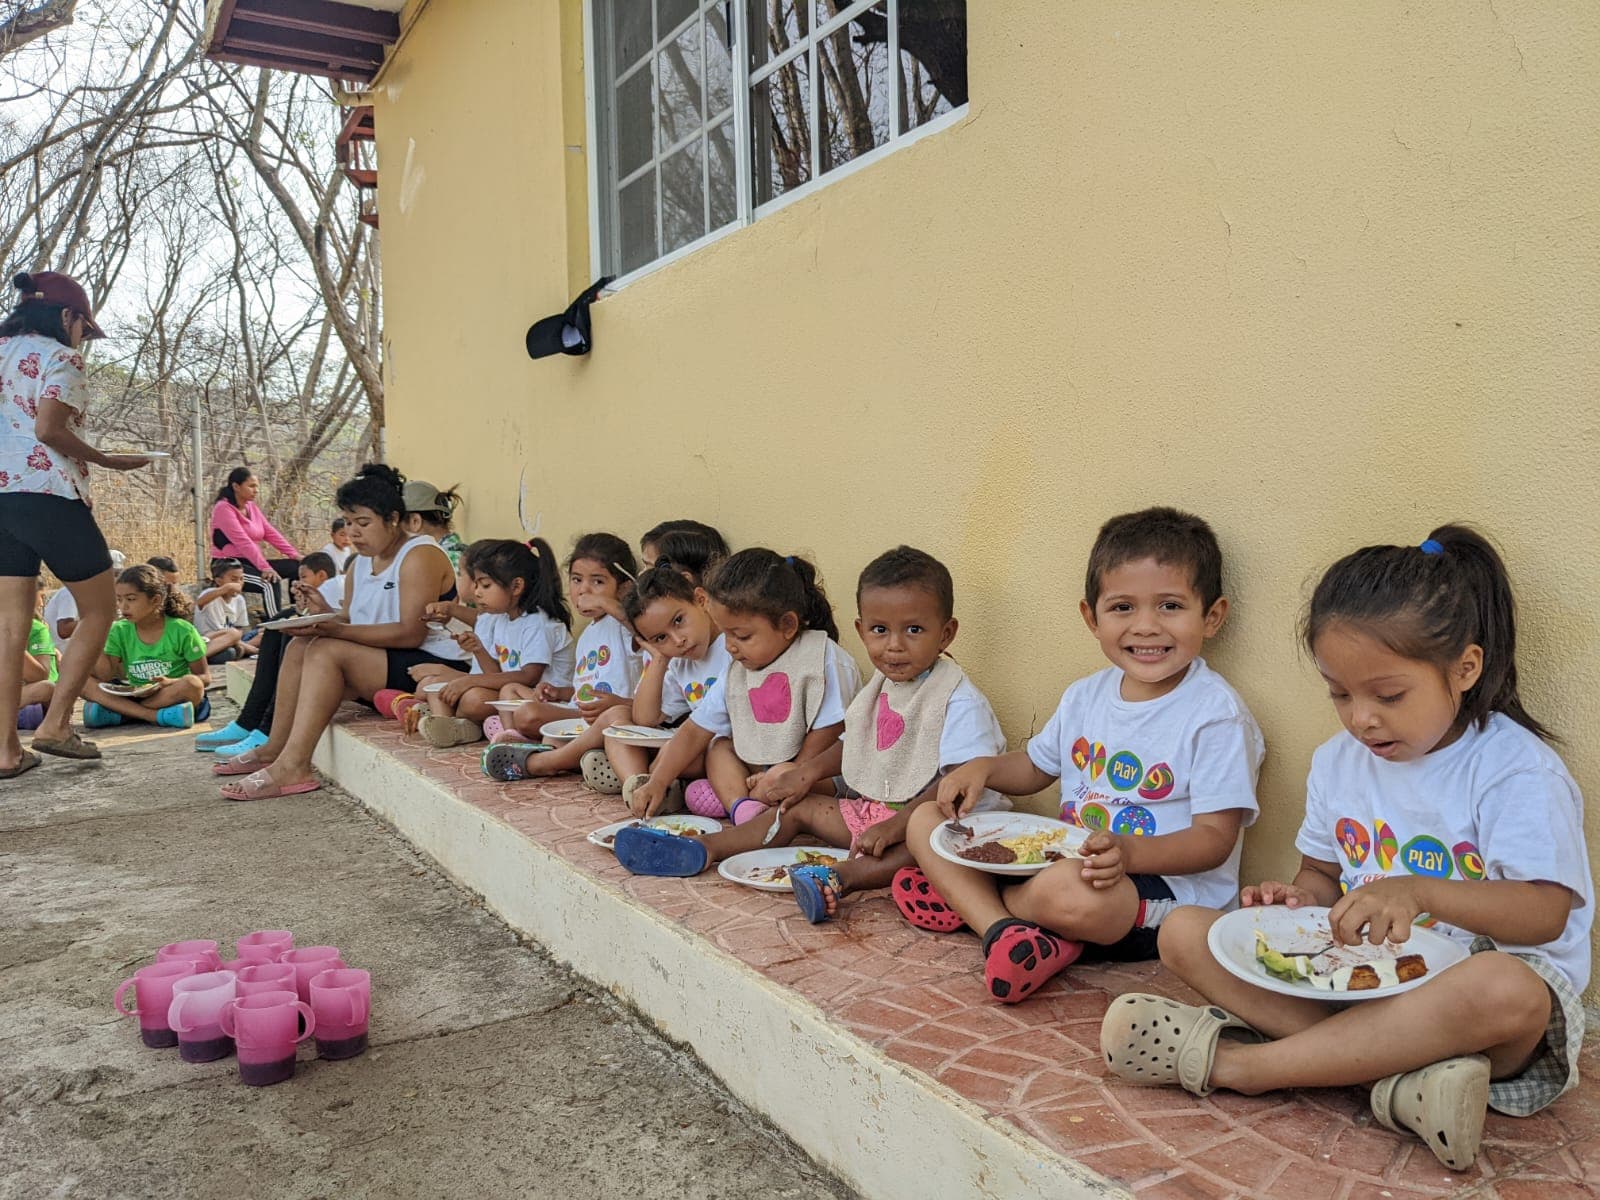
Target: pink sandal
column 245, row 764
column 260, row 787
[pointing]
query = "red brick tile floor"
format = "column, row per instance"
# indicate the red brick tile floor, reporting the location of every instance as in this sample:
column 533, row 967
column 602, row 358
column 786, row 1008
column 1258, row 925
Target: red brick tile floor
column 919, row 997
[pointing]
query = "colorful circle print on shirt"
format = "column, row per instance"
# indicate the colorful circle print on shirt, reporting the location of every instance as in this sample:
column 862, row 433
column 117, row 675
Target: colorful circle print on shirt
column 1158, row 782
column 696, row 691
column 1094, row 816
column 1388, row 845
column 1353, row 840
column 603, row 656
column 1069, row 812
column 1135, row 819
column 1080, row 753
column 1424, row 855
column 1124, row 770
column 1468, row 861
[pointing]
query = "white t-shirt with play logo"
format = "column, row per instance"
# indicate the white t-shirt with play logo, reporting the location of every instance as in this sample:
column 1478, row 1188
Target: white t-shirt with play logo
column 689, row 679
column 522, row 641
column 1148, row 767
column 607, row 663
column 1496, row 803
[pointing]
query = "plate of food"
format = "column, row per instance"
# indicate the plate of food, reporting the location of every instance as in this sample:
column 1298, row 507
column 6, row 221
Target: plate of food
column 768, row 870
column 640, row 735
column 682, row 824
column 131, row 690
column 297, row 622
column 559, row 733
column 1008, row 843
column 1291, row 951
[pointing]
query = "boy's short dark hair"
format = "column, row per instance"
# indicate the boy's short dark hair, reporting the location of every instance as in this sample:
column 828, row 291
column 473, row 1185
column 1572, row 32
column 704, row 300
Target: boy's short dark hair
column 905, row 566
column 319, row 561
column 1172, row 538
column 338, row 524
column 162, row 563
column 221, row 566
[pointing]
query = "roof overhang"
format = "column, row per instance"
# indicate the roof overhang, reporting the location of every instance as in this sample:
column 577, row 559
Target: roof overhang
column 307, row 37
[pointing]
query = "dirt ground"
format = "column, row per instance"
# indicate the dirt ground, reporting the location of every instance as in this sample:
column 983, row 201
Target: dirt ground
column 492, row 1071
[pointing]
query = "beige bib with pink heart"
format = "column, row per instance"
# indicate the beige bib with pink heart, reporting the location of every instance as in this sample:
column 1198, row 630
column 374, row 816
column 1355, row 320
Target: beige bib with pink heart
column 771, row 710
column 892, row 733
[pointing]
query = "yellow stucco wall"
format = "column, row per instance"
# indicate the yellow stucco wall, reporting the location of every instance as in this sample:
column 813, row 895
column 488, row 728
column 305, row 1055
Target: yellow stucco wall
column 1325, row 274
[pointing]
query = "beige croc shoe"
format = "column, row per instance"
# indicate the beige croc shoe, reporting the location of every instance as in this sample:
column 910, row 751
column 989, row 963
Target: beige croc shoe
column 1443, row 1104
column 672, row 802
column 1153, row 1040
column 597, row 773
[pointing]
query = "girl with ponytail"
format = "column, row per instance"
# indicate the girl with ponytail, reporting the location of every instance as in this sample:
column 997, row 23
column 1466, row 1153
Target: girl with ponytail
column 1441, row 804
column 782, row 697
column 153, row 644
column 520, row 637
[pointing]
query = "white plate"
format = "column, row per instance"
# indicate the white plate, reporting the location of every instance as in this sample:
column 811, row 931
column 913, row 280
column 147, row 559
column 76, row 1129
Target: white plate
column 131, row 690
column 640, row 735
column 508, row 705
column 559, row 733
column 605, row 836
column 429, row 689
column 150, row 454
column 297, row 622
column 1233, row 943
column 453, row 627
column 754, row 868
column 989, row 827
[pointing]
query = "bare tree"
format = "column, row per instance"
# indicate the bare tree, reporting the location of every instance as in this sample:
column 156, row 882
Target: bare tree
column 20, row 25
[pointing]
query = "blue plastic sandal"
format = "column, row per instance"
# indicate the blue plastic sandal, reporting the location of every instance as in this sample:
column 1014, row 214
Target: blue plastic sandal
column 226, row 736
column 647, row 851
column 176, row 716
column 256, row 737
column 98, row 716
column 808, row 883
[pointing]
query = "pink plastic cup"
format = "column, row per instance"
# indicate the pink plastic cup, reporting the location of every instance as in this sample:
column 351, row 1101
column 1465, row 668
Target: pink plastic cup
column 264, row 945
column 152, row 992
column 342, row 1002
column 196, row 1015
column 266, row 977
column 265, row 1027
column 199, row 950
column 308, row 960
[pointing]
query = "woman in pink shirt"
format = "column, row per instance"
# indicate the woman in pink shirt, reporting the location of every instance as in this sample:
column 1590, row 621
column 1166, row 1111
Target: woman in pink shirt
column 238, row 528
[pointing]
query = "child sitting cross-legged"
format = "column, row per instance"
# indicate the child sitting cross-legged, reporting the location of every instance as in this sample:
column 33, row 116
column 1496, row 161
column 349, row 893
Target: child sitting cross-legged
column 221, row 615
column 1156, row 754
column 39, row 671
column 1481, row 839
column 784, row 694
column 520, row 637
column 917, row 717
column 153, row 643
column 606, row 671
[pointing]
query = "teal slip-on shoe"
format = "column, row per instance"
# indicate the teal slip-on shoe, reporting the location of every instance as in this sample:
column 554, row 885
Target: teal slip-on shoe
column 226, row 736
column 98, row 716
column 249, row 742
column 176, row 716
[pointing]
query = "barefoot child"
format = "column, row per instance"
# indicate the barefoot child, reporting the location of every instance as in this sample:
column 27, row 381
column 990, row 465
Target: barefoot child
column 39, row 671
column 667, row 610
column 152, row 643
column 1418, row 646
column 521, row 636
column 918, row 717
column 1156, row 754
column 784, row 694
column 607, row 668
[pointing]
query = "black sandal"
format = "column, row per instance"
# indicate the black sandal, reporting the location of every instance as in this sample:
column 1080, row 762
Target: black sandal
column 71, row 746
column 27, row 763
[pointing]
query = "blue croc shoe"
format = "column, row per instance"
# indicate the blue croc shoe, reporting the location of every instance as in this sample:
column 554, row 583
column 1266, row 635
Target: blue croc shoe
column 176, row 716
column 98, row 716
column 647, row 851
column 226, row 736
column 249, row 742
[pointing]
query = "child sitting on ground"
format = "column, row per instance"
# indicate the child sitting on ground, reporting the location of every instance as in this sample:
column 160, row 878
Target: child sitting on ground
column 321, row 574
column 152, row 643
column 521, row 636
column 918, row 717
column 1418, row 647
column 1156, row 754
column 783, row 694
column 221, row 614
column 600, row 573
column 667, row 612
column 39, row 671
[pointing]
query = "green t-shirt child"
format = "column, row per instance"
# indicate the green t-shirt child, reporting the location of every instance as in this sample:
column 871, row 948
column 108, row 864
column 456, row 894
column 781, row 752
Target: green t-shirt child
column 41, row 647
column 180, row 645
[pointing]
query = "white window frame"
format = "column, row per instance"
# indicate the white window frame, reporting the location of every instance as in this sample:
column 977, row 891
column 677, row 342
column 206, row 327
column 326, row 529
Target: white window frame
column 746, row 212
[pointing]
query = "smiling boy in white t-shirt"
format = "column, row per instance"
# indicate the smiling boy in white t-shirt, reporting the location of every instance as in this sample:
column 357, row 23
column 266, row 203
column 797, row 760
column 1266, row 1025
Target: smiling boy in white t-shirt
column 1157, row 757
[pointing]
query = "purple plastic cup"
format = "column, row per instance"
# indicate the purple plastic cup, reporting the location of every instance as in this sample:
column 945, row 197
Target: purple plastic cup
column 308, row 960
column 199, row 950
column 196, row 1015
column 152, row 992
column 266, row 977
column 264, row 945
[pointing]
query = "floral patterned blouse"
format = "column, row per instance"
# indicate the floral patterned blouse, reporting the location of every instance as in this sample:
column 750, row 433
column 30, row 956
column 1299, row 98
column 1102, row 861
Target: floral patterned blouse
column 34, row 369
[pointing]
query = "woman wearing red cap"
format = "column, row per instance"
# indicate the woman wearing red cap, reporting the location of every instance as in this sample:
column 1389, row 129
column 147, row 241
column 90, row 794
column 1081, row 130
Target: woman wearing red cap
column 44, row 502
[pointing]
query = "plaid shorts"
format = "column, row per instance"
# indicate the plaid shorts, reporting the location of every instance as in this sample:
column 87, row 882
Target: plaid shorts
column 1554, row 1071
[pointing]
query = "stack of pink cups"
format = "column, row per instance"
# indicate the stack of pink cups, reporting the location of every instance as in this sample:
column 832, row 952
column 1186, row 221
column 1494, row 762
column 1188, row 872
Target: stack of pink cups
column 261, row 1004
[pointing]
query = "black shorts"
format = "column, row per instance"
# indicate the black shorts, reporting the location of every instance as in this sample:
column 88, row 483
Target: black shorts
column 401, row 662
column 1139, row 943
column 58, row 532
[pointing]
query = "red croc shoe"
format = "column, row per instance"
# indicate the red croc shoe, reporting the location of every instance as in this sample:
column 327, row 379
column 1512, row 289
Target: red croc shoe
column 1019, row 959
column 920, row 904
